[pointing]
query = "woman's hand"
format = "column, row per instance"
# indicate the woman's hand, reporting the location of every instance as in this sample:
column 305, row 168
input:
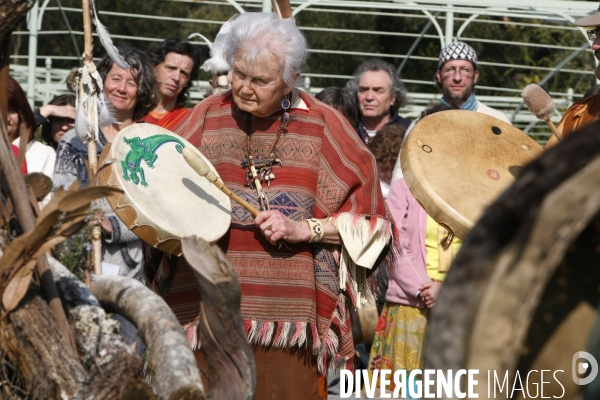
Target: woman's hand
column 100, row 220
column 51, row 110
column 275, row 226
column 429, row 293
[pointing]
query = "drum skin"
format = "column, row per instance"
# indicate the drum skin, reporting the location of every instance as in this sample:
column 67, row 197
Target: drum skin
column 457, row 162
column 164, row 200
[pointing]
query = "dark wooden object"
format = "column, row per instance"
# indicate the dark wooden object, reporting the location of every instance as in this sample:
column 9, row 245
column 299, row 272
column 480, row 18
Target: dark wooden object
column 542, row 233
column 12, row 12
column 230, row 359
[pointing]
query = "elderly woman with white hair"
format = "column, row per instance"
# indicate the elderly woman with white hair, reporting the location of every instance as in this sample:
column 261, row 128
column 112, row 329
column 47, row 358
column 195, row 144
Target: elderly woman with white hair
column 324, row 201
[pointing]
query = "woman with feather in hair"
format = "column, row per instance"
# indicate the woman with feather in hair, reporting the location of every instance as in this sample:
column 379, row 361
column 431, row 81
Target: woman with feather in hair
column 129, row 94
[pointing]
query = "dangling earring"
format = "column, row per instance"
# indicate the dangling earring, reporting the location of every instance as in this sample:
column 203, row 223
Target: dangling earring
column 285, row 104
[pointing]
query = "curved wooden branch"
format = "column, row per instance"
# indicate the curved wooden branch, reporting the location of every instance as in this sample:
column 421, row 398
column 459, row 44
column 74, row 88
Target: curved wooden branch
column 113, row 366
column 221, row 327
column 176, row 373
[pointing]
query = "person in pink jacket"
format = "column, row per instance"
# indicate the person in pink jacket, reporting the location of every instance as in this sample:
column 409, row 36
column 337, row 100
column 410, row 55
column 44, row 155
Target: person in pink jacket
column 412, row 289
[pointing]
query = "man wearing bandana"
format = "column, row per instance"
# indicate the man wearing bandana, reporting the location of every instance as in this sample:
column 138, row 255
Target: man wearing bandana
column 457, row 75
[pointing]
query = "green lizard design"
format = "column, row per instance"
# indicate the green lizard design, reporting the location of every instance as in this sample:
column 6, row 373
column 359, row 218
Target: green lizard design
column 144, row 149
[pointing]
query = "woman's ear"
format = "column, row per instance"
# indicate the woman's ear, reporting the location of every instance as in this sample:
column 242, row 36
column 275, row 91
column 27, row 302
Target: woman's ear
column 295, row 75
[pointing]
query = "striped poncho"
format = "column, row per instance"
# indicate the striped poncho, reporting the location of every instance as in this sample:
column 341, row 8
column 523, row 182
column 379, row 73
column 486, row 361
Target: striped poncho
column 297, row 297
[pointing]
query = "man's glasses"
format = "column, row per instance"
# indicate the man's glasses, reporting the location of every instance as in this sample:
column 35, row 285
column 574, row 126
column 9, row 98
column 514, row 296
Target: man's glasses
column 464, row 71
column 592, row 33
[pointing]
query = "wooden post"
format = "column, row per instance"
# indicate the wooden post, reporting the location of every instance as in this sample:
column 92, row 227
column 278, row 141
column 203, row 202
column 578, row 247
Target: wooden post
column 4, row 62
column 92, row 148
column 20, row 197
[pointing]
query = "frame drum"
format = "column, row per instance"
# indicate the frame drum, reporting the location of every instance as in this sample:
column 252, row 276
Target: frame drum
column 457, row 162
column 164, row 200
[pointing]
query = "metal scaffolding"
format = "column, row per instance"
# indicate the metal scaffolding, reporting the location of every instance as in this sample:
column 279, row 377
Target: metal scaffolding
column 449, row 23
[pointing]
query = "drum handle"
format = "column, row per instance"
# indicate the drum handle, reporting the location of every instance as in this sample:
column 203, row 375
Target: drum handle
column 282, row 8
column 202, row 169
column 553, row 129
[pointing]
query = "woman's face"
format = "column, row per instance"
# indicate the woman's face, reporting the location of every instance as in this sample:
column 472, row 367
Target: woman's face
column 258, row 89
column 385, row 174
column 60, row 126
column 13, row 124
column 120, row 87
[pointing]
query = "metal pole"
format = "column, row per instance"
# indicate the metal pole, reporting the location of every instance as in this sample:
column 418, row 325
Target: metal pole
column 32, row 23
column 48, row 79
column 416, row 43
column 449, row 26
column 267, row 6
column 570, row 97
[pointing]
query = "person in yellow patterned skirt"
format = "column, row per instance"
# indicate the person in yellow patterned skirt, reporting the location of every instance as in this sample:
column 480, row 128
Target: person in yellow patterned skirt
column 413, row 285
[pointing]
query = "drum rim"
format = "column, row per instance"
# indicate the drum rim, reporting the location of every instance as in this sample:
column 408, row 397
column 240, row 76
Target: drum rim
column 121, row 203
column 438, row 208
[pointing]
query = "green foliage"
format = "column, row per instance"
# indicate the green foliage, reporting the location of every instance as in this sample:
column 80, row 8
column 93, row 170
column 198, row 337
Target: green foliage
column 390, row 33
column 75, row 252
column 333, row 63
column 530, row 55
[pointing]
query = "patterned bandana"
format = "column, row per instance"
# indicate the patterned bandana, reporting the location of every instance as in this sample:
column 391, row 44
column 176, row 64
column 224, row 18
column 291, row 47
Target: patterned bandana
column 457, row 51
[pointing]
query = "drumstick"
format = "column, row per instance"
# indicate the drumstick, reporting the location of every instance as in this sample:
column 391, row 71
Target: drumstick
column 202, row 169
column 540, row 103
column 282, row 8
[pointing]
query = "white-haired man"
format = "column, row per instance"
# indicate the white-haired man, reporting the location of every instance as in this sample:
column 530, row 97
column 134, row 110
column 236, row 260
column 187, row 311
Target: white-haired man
column 379, row 95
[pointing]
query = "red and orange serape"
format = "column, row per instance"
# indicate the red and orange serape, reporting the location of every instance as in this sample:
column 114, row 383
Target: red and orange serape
column 167, row 120
column 289, row 297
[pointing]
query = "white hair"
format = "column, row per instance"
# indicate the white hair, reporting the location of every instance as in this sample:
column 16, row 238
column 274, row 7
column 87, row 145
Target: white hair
column 260, row 34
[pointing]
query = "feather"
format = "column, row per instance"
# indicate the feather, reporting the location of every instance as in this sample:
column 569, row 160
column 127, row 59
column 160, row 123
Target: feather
column 86, row 79
column 96, row 76
column 107, row 43
column 216, row 63
column 105, row 112
column 193, row 35
column 82, row 123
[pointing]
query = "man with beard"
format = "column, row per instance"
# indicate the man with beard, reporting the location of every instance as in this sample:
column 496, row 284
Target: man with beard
column 586, row 110
column 457, row 75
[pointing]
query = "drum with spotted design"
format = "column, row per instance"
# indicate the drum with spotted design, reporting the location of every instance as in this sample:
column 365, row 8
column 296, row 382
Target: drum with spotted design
column 457, row 162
